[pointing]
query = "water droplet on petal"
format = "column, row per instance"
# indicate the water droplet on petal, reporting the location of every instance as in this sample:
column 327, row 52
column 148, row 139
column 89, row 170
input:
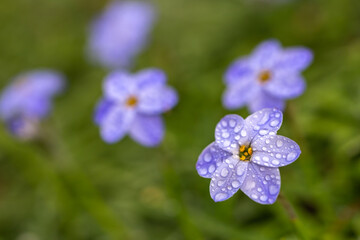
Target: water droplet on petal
column 273, row 189
column 274, row 123
column 291, row 156
column 225, row 134
column 275, row 162
column 279, row 143
column 211, row 168
column 235, row 184
column 263, row 198
column 232, row 123
column 224, row 172
column 207, row 157
column 220, row 197
column 263, row 132
column 243, row 133
column 202, row 171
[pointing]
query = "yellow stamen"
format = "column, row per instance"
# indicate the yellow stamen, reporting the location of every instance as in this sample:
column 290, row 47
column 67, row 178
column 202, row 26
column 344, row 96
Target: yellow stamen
column 242, row 148
column 245, row 153
column 131, row 101
column 264, row 76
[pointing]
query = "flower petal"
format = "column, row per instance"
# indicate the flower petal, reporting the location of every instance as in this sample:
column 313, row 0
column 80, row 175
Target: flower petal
column 151, row 77
column 210, row 159
column 147, row 130
column 37, row 107
column 295, row 59
column 237, row 95
column 102, row 108
column 264, row 122
column 228, row 178
column 119, row 85
column 155, row 100
column 262, row 184
column 274, row 151
column 240, row 70
column 44, row 82
column 266, row 54
column 116, row 124
column 230, row 132
column 264, row 100
column 285, row 85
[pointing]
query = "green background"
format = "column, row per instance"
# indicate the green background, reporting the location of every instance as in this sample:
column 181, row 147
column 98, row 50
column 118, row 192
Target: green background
column 71, row 185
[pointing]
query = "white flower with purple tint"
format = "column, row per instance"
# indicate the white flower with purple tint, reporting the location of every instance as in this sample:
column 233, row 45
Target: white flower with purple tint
column 29, row 99
column 267, row 77
column 246, row 155
column 132, row 104
column 121, row 32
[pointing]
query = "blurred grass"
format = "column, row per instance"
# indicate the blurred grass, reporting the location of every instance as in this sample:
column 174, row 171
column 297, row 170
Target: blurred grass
column 77, row 187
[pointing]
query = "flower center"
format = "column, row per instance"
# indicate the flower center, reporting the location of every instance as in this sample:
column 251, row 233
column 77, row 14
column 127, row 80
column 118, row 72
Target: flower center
column 264, row 76
column 245, row 153
column 131, row 101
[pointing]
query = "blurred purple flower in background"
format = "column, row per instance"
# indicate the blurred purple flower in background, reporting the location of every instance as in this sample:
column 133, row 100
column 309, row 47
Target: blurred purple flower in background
column 246, row 155
column 121, row 33
column 132, row 103
column 29, row 99
column 267, row 77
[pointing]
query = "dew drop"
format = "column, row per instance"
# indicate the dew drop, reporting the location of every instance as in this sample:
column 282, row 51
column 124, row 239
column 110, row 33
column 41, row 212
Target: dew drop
column 202, row 171
column 275, row 162
column 232, row 123
column 224, row 172
column 273, row 189
column 263, row 198
column 279, row 143
column 211, row 168
column 207, row 157
column 225, row 134
column 263, row 132
column 243, row 133
column 291, row 156
column 274, row 123
column 220, row 197
column 235, row 184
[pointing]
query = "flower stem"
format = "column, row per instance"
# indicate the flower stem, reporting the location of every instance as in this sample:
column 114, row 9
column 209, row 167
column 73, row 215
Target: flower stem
column 294, row 219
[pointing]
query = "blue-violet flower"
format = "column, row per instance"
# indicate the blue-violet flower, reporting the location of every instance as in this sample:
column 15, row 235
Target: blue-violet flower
column 267, row 77
column 120, row 33
column 246, row 155
column 132, row 104
column 29, row 99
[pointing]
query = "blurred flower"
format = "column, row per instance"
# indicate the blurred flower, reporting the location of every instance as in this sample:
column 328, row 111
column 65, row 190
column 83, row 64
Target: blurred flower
column 133, row 104
column 267, row 77
column 121, row 32
column 246, row 155
column 29, row 99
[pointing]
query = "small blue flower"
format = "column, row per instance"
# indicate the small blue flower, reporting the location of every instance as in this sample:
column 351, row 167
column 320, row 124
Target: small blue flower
column 121, row 32
column 246, row 155
column 267, row 77
column 132, row 104
column 29, row 99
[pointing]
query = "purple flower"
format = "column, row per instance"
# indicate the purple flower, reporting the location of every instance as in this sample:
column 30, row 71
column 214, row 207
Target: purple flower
column 267, row 77
column 121, row 32
column 29, row 99
column 132, row 104
column 246, row 155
